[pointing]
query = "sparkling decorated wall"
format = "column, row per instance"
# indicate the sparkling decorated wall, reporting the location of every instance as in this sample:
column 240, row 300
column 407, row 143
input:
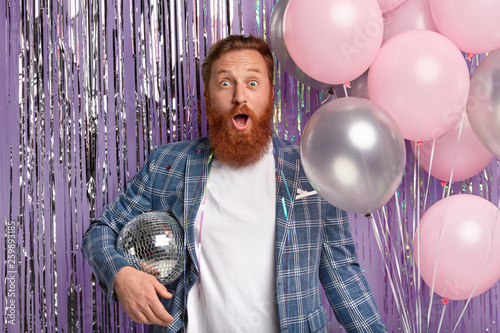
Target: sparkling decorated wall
column 87, row 88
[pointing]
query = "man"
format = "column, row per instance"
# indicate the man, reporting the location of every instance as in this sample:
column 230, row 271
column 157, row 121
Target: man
column 256, row 252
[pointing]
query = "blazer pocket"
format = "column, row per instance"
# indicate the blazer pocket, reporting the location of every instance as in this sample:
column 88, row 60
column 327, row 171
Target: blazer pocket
column 305, row 194
column 317, row 320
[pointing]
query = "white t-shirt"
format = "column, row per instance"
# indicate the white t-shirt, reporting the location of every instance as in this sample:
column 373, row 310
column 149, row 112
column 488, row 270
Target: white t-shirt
column 237, row 287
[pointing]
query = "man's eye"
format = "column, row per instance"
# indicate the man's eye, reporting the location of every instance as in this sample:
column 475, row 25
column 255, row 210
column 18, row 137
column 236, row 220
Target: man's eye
column 253, row 83
column 225, row 84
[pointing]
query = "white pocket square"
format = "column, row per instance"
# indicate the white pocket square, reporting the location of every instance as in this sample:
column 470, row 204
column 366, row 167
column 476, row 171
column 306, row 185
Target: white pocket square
column 302, row 194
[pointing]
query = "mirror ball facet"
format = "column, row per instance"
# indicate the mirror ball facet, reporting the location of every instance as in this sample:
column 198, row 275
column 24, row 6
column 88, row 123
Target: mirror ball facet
column 153, row 242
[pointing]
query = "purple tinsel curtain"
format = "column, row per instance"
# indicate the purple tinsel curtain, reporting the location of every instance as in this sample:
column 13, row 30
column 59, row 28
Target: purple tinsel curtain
column 87, row 88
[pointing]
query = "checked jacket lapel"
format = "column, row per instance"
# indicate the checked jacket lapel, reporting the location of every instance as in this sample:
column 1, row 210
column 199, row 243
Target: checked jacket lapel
column 287, row 173
column 195, row 182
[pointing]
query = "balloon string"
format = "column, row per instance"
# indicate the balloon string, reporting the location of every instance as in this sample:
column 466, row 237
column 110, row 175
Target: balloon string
column 395, row 291
column 346, row 85
column 456, row 150
column 416, row 221
column 435, row 261
column 381, row 248
column 401, row 234
column 441, row 231
column 400, row 223
column 498, row 211
column 405, row 319
column 396, row 260
column 425, row 203
column 331, row 94
column 442, row 227
column 442, row 317
column 495, row 221
column 416, row 181
column 429, row 177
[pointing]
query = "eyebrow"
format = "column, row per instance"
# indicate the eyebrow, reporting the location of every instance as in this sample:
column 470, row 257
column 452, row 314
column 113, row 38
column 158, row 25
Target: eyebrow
column 224, row 71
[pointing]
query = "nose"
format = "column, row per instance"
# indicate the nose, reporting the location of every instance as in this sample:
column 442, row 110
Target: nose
column 239, row 96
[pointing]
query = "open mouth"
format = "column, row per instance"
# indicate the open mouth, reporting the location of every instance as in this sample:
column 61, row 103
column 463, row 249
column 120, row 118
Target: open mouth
column 240, row 121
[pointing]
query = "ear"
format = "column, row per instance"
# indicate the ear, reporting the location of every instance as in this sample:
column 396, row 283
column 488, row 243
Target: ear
column 206, row 95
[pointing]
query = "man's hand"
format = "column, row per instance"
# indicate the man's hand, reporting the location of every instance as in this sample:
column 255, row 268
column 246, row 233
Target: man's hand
column 137, row 291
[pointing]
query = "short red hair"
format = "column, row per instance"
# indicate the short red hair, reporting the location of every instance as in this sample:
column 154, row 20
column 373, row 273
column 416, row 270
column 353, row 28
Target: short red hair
column 233, row 43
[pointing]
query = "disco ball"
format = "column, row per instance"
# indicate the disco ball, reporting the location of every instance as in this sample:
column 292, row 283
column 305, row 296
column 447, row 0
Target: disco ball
column 153, row 242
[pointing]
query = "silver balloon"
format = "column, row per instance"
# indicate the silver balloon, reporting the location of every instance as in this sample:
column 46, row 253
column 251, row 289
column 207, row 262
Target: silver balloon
column 153, row 242
column 277, row 44
column 483, row 105
column 353, row 154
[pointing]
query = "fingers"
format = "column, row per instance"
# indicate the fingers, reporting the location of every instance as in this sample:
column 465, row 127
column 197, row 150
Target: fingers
column 157, row 313
column 161, row 290
column 137, row 293
column 161, row 316
column 154, row 314
column 148, row 310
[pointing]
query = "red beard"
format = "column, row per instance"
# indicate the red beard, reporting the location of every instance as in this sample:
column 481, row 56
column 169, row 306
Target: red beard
column 240, row 148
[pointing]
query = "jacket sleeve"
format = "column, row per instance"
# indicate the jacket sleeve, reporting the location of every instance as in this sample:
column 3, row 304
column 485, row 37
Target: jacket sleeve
column 343, row 281
column 98, row 244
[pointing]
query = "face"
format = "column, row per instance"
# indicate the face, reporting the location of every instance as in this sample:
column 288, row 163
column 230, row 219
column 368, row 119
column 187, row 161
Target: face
column 239, row 78
column 239, row 107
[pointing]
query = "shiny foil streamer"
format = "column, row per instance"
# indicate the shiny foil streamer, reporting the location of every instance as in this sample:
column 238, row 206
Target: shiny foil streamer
column 89, row 87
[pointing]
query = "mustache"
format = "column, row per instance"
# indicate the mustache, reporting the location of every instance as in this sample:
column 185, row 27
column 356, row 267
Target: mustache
column 241, row 109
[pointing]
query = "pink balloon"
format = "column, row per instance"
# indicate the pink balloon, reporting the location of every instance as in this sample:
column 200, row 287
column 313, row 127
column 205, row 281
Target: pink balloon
column 410, row 15
column 333, row 41
column 277, row 44
column 473, row 25
column 466, row 159
column 388, row 5
column 469, row 227
column 422, row 80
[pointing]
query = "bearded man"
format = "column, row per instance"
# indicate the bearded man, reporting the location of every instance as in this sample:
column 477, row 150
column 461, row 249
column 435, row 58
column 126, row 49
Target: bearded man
column 256, row 254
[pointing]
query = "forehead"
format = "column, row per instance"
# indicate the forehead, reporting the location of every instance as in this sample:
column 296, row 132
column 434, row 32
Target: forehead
column 240, row 61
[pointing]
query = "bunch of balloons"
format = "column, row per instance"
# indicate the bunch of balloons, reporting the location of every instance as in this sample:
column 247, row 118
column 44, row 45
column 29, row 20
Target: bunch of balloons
column 407, row 60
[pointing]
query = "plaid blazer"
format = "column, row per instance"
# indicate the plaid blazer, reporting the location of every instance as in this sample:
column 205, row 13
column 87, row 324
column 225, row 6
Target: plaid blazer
column 314, row 244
